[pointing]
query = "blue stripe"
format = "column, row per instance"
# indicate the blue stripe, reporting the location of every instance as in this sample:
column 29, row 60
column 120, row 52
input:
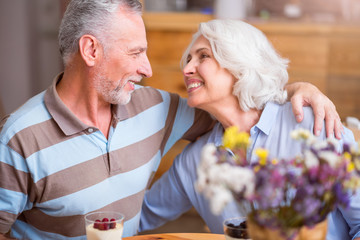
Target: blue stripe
column 16, row 201
column 183, row 121
column 53, row 159
column 131, row 226
column 135, row 130
column 24, row 117
column 17, row 161
column 22, row 230
column 104, row 190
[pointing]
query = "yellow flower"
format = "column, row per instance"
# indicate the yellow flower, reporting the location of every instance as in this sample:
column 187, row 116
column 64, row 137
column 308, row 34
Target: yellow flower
column 229, row 139
column 350, row 167
column 256, row 168
column 274, row 161
column 262, row 154
column 327, row 196
column 347, row 156
column 233, row 138
column 243, row 139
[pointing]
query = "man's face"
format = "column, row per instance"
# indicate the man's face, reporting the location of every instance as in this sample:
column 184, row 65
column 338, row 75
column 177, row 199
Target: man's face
column 124, row 61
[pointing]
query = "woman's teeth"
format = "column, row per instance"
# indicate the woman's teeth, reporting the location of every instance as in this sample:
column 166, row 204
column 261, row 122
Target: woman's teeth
column 194, row 85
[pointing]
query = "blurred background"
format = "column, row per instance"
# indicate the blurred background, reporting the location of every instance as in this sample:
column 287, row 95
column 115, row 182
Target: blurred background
column 30, row 57
column 321, row 38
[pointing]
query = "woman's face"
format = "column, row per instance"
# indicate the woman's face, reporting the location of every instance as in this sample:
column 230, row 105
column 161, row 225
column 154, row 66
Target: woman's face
column 207, row 83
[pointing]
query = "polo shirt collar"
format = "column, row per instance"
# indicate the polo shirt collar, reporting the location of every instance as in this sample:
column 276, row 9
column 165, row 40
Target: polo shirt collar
column 68, row 121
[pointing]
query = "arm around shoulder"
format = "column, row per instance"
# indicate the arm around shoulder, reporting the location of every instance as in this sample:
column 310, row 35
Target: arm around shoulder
column 305, row 94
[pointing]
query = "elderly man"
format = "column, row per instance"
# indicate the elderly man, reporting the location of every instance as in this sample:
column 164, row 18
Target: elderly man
column 94, row 138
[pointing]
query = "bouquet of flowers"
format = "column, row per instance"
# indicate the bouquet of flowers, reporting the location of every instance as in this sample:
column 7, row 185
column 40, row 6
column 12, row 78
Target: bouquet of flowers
column 282, row 193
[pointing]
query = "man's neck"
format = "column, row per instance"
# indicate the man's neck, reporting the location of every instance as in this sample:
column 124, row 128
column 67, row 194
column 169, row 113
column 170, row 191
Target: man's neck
column 75, row 90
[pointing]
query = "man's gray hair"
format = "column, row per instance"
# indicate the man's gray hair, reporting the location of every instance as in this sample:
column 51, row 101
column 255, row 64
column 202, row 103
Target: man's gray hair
column 92, row 17
column 249, row 56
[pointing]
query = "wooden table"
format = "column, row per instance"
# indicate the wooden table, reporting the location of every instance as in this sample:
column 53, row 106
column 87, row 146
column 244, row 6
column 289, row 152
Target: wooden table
column 178, row 236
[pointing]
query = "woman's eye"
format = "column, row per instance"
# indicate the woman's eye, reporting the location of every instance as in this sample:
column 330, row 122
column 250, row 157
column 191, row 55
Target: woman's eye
column 204, row 56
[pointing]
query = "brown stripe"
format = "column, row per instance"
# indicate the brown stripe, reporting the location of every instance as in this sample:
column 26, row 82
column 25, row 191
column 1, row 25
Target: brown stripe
column 73, row 226
column 141, row 99
column 97, row 169
column 3, row 121
column 13, row 179
column 136, row 154
column 7, row 218
column 72, row 179
column 37, row 137
column 174, row 103
column 203, row 123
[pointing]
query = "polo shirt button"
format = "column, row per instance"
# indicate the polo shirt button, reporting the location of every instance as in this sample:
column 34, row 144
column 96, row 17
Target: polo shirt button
column 90, row 130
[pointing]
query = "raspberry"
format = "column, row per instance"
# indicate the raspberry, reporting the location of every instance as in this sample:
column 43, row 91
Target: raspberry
column 97, row 223
column 112, row 223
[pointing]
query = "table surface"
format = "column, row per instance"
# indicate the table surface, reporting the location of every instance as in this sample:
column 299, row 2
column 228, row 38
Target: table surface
column 178, row 236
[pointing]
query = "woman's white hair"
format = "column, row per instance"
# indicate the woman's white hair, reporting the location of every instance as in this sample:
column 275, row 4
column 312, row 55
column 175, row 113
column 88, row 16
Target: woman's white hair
column 249, row 56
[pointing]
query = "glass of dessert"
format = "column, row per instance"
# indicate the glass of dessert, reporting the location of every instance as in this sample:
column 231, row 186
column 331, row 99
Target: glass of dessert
column 104, row 225
column 235, row 229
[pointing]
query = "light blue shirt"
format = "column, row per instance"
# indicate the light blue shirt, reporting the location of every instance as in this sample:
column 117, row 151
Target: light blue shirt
column 174, row 193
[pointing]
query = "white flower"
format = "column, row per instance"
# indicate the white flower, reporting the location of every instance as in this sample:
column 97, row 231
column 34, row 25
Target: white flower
column 300, row 133
column 208, row 155
column 239, row 179
column 218, row 182
column 219, row 197
column 332, row 158
column 310, row 159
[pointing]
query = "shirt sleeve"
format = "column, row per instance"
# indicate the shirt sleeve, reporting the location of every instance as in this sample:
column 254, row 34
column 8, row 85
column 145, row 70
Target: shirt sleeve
column 166, row 200
column 14, row 182
column 183, row 122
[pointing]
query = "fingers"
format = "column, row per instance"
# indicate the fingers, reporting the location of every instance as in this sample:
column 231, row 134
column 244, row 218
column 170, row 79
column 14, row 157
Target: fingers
column 319, row 113
column 333, row 123
column 297, row 104
column 339, row 129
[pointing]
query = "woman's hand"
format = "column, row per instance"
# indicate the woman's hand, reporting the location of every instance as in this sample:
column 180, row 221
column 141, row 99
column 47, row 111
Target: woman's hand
column 305, row 94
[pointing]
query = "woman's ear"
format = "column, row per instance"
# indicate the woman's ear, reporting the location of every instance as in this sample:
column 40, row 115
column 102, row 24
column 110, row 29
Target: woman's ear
column 89, row 48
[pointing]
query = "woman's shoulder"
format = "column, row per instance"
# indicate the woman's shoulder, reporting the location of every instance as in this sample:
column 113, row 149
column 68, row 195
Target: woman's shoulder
column 287, row 114
column 192, row 152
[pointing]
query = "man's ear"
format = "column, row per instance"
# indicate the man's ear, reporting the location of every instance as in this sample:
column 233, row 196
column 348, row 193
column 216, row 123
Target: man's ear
column 90, row 49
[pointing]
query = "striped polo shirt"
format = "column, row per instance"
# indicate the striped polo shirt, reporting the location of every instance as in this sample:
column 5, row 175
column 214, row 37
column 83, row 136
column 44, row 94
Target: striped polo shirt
column 54, row 168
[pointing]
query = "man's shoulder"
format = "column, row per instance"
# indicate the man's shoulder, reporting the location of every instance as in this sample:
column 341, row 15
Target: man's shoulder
column 30, row 113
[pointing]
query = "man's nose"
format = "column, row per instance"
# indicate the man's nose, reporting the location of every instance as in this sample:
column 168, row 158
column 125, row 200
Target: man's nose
column 145, row 68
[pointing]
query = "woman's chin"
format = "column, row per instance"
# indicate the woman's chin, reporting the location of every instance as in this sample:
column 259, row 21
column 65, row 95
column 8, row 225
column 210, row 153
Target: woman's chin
column 192, row 103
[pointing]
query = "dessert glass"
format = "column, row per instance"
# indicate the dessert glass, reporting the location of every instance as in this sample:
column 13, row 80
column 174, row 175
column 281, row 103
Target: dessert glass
column 106, row 225
column 235, row 229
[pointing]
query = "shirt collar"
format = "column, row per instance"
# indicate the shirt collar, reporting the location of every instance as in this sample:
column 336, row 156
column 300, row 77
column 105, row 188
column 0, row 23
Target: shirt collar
column 267, row 118
column 66, row 120
column 218, row 134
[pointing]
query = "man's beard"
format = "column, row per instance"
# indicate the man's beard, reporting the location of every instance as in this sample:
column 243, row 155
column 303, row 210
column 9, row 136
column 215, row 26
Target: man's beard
column 118, row 95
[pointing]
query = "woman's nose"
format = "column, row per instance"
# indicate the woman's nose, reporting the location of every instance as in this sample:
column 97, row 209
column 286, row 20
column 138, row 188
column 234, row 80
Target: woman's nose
column 189, row 68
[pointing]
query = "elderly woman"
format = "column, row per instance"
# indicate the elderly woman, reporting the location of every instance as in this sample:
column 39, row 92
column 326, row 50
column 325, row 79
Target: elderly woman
column 232, row 71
